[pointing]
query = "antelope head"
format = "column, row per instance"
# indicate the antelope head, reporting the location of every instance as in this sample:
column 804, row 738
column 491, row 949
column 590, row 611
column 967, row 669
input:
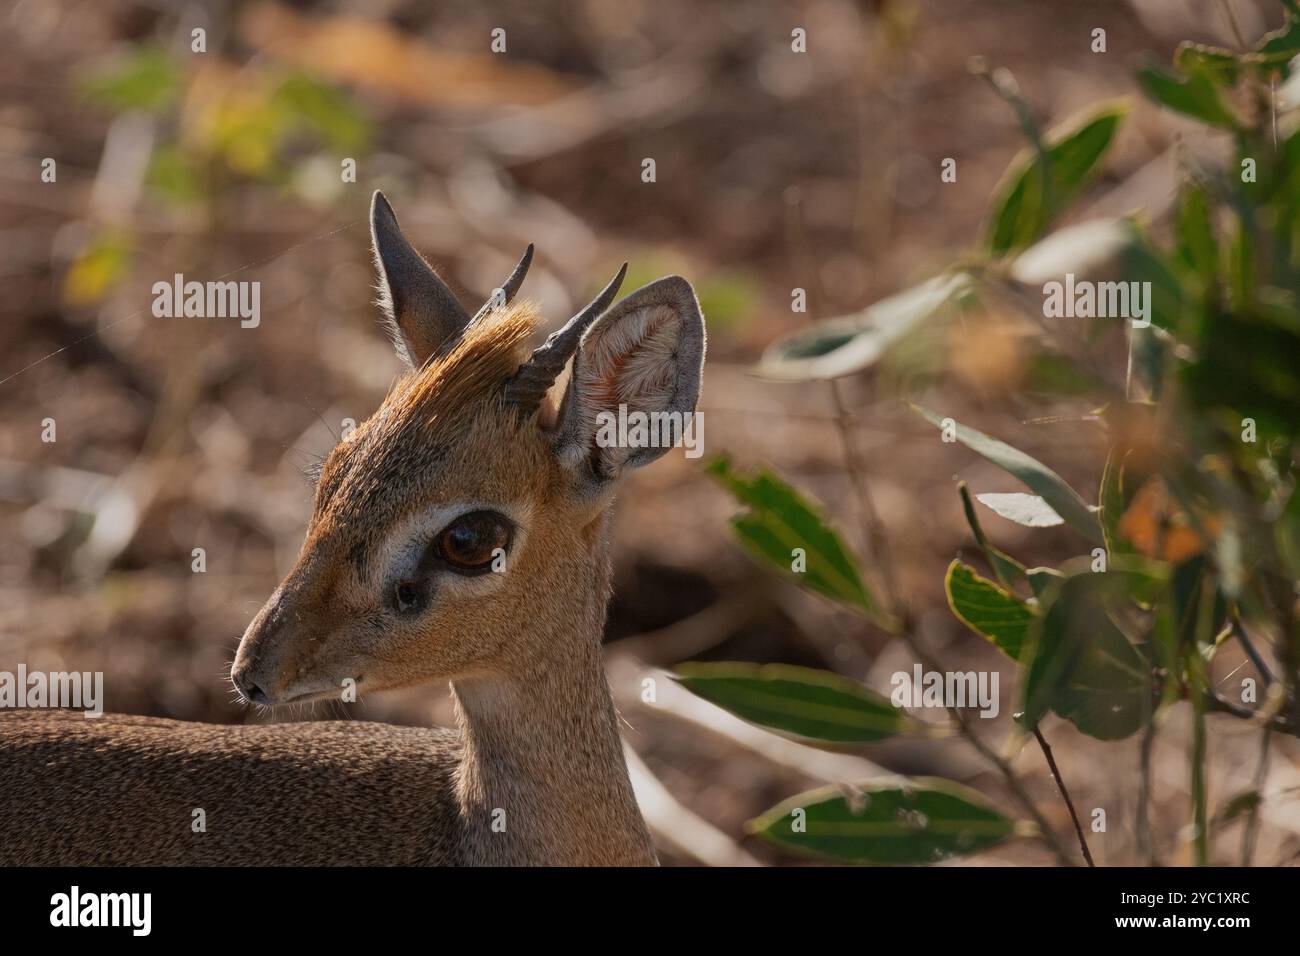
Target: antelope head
column 462, row 526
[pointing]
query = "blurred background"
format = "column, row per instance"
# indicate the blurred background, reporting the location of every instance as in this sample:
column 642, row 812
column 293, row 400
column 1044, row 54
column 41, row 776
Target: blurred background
column 774, row 171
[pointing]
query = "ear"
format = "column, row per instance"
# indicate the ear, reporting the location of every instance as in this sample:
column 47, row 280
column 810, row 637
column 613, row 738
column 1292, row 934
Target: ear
column 646, row 354
column 422, row 312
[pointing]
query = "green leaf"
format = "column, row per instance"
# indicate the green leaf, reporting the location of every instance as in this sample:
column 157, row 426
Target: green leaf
column 1286, row 534
column 1040, row 579
column 1197, row 247
column 1220, row 65
column 99, row 267
column 814, row 706
column 1006, row 568
column 1240, row 805
column 988, row 610
column 1195, row 96
column 925, row 822
column 848, row 344
column 1245, row 365
column 727, row 298
column 1104, row 693
column 1028, row 510
column 144, row 79
column 1144, row 262
column 1111, row 501
column 1063, row 499
column 781, row 520
column 173, row 173
column 1081, row 665
column 1021, row 210
column 325, row 110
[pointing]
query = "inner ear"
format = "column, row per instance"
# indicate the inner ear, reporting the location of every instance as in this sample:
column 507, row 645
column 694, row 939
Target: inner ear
column 642, row 358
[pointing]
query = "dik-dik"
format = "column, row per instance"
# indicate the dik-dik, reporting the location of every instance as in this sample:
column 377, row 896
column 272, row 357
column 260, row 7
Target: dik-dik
column 460, row 534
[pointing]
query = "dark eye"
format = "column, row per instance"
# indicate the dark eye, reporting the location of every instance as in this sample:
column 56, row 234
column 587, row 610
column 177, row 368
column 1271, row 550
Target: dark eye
column 471, row 542
column 408, row 597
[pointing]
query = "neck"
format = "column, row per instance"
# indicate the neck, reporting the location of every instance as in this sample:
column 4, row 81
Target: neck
column 542, row 779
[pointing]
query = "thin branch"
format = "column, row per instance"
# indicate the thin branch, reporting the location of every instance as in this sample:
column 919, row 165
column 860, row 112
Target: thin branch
column 1060, row 785
column 1243, row 639
column 877, row 540
column 1252, row 820
column 1200, row 800
column 1013, row 781
column 1199, row 680
column 878, row 543
column 1280, row 723
column 1146, row 840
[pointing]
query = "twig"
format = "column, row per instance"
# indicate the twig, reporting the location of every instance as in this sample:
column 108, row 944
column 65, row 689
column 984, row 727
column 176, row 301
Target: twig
column 1065, row 794
column 879, row 549
column 1013, row 781
column 1146, row 842
column 1200, row 812
column 1280, row 723
column 1239, row 633
column 878, row 543
column 1198, row 678
column 1282, row 592
column 1252, row 820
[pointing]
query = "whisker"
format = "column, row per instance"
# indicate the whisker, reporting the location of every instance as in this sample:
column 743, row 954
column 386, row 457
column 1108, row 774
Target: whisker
column 337, row 438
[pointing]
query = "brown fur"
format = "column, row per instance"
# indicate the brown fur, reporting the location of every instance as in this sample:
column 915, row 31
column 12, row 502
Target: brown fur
column 538, row 733
column 121, row 791
column 535, row 774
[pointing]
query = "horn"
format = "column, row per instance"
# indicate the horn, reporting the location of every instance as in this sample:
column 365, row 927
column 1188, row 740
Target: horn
column 511, row 285
column 530, row 384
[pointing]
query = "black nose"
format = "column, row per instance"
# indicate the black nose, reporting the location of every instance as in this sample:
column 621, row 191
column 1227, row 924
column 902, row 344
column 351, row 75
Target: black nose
column 249, row 688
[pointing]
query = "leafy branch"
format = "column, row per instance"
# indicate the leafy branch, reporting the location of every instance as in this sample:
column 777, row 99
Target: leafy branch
column 1195, row 534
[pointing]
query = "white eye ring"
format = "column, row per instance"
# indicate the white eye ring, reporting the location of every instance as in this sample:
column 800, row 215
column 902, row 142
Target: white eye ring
column 398, row 558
